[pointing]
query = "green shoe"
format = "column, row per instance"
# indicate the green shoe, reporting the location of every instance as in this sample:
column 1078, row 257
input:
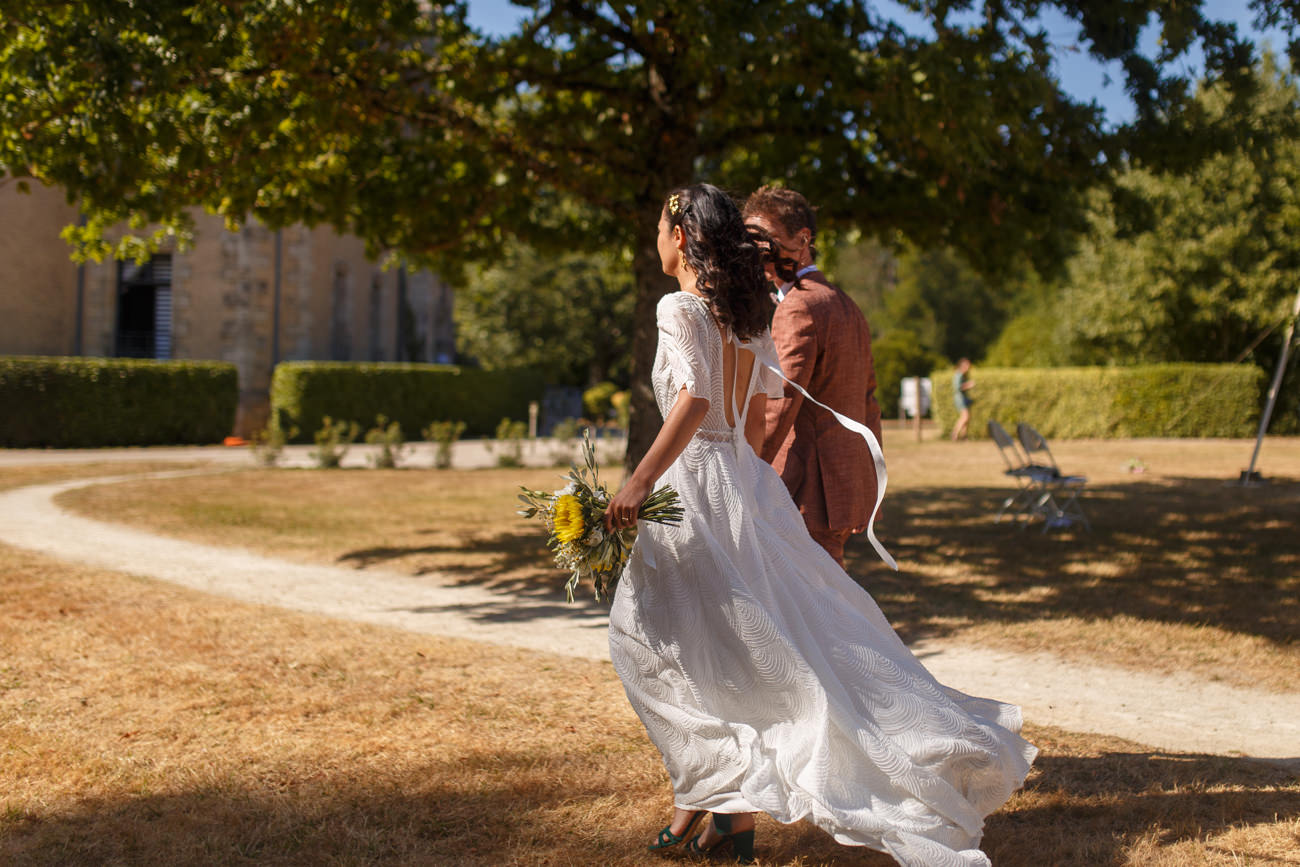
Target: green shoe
column 667, row 839
column 741, row 842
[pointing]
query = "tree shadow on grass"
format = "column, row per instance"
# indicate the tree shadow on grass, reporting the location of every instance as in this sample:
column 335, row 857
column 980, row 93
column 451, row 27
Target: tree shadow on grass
column 1183, row 551
column 1188, row 551
column 514, row 563
column 1085, row 810
column 514, row 560
column 512, row 808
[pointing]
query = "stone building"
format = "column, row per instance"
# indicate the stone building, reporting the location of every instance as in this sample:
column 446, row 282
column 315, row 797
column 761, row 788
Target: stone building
column 254, row 297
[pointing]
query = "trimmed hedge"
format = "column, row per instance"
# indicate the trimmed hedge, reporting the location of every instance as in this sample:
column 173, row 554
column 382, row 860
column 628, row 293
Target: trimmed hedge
column 1157, row 400
column 304, row 392
column 91, row 402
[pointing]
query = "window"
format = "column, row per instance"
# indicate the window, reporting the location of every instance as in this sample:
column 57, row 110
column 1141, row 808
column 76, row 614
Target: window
column 376, row 301
column 144, row 309
column 340, row 330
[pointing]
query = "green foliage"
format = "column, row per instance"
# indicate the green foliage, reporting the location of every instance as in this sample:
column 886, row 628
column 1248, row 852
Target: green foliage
column 268, row 444
column 1208, row 275
column 564, row 436
column 392, row 120
column 565, row 430
column 392, row 443
column 1157, row 400
column 899, row 354
column 52, row 402
column 141, row 110
column 933, row 298
column 864, row 267
column 409, row 394
column 568, row 316
column 598, row 400
column 444, row 435
column 621, row 401
column 954, row 311
column 332, row 442
column 509, row 445
column 1034, row 339
column 132, row 107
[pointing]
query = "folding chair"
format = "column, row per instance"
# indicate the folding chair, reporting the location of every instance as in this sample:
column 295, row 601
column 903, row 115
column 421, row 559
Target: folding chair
column 1058, row 500
column 1019, row 469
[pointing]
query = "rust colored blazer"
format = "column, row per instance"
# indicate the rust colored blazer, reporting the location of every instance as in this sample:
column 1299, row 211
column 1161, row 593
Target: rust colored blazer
column 824, row 344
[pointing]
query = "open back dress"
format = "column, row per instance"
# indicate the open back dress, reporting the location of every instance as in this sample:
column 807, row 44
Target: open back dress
column 767, row 678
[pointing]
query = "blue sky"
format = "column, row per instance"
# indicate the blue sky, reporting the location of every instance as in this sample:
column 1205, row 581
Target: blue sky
column 1081, row 76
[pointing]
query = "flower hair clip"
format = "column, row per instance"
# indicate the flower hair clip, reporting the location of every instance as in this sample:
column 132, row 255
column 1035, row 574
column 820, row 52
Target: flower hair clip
column 674, row 204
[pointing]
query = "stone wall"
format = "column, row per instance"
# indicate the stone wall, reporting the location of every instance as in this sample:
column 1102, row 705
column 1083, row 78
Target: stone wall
column 333, row 302
column 38, row 282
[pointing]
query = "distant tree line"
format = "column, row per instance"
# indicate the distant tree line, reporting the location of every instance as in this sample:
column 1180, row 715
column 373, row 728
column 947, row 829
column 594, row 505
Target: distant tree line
column 1195, row 263
column 397, row 121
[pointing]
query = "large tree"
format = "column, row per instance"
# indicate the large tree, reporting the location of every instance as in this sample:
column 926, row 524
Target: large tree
column 1211, row 273
column 568, row 315
column 1218, row 262
column 394, row 120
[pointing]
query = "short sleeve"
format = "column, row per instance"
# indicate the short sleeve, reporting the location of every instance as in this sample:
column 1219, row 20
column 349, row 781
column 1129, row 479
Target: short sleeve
column 770, row 382
column 683, row 342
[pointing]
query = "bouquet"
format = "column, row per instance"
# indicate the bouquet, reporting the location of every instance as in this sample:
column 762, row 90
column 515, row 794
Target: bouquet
column 574, row 517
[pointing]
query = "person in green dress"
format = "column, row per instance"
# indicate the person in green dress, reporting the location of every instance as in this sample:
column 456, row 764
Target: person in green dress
column 961, row 386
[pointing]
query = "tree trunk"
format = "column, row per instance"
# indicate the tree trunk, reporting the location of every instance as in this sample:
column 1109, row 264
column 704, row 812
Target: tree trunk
column 670, row 163
column 651, row 285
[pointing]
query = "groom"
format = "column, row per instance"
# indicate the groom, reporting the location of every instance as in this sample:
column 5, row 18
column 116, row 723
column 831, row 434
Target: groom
column 824, row 344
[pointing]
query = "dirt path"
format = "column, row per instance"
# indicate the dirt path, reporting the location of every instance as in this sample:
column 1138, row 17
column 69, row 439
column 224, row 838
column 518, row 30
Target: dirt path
column 1177, row 713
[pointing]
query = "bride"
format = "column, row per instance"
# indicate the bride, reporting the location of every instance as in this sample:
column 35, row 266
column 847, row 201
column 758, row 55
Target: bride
column 766, row 677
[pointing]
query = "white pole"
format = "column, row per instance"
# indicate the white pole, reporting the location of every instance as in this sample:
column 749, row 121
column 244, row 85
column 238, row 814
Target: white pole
column 917, row 416
column 1273, row 389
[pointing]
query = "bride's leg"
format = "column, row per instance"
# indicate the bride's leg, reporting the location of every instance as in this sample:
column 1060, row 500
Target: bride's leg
column 676, row 830
column 683, row 821
column 724, row 824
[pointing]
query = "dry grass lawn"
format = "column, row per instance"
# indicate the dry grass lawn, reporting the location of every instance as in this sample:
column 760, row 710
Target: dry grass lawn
column 1183, row 572
column 144, row 724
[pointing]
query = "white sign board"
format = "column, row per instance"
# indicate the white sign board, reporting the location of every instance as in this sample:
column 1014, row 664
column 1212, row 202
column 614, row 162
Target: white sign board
column 907, row 397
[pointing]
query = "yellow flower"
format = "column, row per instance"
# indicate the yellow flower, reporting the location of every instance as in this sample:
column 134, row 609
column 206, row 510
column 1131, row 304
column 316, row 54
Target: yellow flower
column 568, row 518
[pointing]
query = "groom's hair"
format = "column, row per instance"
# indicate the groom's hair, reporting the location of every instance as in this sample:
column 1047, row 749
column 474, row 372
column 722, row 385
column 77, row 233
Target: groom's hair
column 785, row 207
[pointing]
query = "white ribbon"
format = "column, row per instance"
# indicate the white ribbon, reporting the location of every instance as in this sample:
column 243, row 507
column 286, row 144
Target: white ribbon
column 877, row 455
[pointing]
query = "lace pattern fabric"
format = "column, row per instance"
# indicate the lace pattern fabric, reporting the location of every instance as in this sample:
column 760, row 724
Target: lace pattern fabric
column 690, row 356
column 767, row 678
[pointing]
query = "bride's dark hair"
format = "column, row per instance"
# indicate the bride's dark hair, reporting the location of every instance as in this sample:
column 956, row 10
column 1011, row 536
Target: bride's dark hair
column 726, row 256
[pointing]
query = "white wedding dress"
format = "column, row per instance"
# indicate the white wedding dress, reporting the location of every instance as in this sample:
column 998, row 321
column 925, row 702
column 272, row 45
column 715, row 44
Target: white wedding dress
column 767, row 678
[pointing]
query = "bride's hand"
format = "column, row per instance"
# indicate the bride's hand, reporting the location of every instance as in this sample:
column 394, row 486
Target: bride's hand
column 625, row 505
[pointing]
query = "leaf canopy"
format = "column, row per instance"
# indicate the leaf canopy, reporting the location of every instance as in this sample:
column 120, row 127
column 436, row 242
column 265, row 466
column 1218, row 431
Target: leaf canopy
column 394, row 120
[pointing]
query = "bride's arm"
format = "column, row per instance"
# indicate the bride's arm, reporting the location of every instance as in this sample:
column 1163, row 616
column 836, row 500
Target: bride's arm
column 680, row 425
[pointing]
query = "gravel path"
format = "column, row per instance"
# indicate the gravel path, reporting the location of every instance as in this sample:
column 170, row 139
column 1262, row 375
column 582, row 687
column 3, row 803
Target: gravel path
column 1177, row 713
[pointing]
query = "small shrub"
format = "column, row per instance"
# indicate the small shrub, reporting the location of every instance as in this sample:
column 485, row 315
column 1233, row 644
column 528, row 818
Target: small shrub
column 444, row 434
column 622, row 403
column 611, row 446
column 268, row 444
column 392, row 444
column 332, row 442
column 596, row 401
column 509, row 445
column 564, row 437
